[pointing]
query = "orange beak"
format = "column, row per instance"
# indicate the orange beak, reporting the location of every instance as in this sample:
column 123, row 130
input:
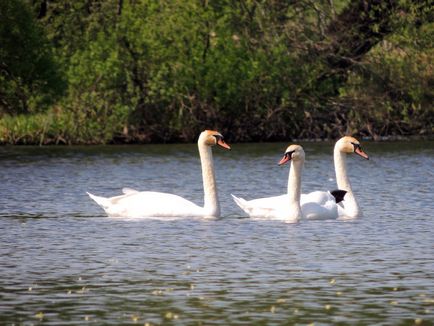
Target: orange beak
column 284, row 159
column 223, row 144
column 360, row 152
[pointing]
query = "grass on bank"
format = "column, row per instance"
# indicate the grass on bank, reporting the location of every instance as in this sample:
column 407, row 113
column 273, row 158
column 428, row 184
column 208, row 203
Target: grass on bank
column 58, row 126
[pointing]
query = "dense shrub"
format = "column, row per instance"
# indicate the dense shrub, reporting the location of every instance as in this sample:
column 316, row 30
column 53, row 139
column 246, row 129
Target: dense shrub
column 147, row 70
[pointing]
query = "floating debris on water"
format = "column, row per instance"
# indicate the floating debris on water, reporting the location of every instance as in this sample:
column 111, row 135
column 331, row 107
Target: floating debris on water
column 171, row 315
column 157, row 292
column 418, row 321
column 40, row 315
column 280, row 300
column 272, row 309
column 332, row 281
column 327, row 307
column 83, row 290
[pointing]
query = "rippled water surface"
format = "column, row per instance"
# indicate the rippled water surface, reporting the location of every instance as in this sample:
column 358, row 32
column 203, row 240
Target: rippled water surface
column 64, row 263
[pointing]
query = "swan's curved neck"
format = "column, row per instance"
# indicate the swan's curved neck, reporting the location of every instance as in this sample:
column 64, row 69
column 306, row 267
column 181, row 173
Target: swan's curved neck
column 211, row 201
column 350, row 203
column 294, row 188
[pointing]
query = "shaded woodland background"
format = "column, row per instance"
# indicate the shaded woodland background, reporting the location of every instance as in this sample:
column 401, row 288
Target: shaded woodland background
column 116, row 71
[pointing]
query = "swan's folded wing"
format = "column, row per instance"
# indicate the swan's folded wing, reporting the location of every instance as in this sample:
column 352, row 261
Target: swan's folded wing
column 152, row 204
column 319, row 197
column 275, row 202
column 262, row 207
column 128, row 191
column 315, row 211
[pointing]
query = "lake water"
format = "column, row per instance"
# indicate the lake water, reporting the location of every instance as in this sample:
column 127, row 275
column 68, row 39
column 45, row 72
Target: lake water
column 63, row 262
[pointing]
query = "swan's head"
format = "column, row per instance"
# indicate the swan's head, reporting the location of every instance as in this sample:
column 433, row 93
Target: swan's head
column 212, row 138
column 350, row 144
column 294, row 153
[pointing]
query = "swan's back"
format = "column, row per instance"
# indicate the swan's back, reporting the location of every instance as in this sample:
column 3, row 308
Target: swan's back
column 148, row 204
column 315, row 211
column 314, row 205
column 319, row 205
column 262, row 206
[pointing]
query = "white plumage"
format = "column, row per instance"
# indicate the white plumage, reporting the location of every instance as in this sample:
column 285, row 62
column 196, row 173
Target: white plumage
column 314, row 205
column 135, row 204
column 292, row 206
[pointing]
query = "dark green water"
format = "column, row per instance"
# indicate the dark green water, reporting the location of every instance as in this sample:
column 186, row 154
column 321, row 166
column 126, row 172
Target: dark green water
column 64, row 263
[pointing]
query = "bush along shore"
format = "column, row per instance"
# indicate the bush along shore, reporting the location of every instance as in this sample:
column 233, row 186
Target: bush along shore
column 144, row 71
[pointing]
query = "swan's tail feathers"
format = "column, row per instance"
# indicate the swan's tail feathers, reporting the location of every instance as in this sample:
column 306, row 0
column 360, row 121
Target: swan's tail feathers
column 101, row 201
column 338, row 194
column 240, row 202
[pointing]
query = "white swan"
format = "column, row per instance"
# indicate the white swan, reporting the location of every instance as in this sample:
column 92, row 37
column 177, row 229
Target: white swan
column 320, row 204
column 293, row 206
column 134, row 204
column 349, row 208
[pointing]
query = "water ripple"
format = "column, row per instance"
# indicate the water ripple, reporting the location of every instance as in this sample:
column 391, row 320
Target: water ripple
column 64, row 263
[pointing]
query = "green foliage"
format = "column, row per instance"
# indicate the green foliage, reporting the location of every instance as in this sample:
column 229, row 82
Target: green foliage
column 391, row 92
column 148, row 70
column 29, row 79
column 57, row 126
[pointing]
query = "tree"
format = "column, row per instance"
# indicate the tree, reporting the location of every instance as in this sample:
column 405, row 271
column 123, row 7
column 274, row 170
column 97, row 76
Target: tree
column 162, row 70
column 29, row 76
